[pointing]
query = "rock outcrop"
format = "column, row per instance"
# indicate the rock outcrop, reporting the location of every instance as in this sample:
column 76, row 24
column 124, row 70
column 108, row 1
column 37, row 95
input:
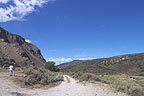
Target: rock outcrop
column 14, row 50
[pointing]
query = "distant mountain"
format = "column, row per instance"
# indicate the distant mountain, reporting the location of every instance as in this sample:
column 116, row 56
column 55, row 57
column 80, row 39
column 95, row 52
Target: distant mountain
column 14, row 50
column 125, row 63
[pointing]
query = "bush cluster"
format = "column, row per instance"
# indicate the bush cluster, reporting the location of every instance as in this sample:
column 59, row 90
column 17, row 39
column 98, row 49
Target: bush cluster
column 41, row 76
column 128, row 87
column 50, row 65
column 123, row 85
column 80, row 69
column 85, row 77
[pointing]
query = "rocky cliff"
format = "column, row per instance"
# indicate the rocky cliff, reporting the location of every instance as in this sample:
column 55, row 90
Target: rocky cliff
column 14, row 50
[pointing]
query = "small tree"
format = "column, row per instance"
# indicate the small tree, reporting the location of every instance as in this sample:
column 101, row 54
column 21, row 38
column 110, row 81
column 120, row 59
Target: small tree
column 50, row 65
column 80, row 68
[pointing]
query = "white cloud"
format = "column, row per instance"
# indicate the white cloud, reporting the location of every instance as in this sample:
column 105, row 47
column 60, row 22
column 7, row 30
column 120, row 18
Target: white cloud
column 18, row 9
column 28, row 41
column 60, row 60
column 64, row 60
column 86, row 58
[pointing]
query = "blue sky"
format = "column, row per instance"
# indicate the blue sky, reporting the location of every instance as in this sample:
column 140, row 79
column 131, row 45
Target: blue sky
column 78, row 29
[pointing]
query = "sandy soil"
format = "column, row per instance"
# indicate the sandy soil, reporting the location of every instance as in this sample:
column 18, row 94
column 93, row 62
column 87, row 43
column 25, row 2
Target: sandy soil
column 69, row 87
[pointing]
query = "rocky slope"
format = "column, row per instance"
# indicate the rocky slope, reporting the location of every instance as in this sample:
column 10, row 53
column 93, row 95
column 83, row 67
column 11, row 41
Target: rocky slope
column 14, row 50
column 132, row 63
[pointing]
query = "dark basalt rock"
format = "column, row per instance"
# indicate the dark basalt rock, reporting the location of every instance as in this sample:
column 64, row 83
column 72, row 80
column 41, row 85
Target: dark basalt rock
column 14, row 50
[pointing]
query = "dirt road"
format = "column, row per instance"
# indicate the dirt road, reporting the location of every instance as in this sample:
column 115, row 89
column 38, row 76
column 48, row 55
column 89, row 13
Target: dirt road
column 69, row 87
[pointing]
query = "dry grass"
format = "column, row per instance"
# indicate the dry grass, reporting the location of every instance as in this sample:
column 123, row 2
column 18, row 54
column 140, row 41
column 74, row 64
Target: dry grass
column 124, row 83
column 132, row 85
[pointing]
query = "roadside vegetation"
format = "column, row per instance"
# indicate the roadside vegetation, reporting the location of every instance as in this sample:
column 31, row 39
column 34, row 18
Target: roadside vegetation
column 125, row 73
column 132, row 84
column 39, row 77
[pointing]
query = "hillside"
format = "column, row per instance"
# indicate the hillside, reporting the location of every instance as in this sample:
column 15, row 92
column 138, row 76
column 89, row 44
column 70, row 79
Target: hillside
column 14, row 50
column 125, row 63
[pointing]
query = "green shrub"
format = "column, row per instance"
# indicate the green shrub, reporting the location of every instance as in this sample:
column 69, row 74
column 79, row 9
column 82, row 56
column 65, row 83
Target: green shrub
column 50, row 65
column 80, row 68
column 41, row 76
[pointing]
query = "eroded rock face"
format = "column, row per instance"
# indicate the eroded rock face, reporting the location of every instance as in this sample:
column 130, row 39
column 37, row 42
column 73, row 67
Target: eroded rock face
column 14, row 50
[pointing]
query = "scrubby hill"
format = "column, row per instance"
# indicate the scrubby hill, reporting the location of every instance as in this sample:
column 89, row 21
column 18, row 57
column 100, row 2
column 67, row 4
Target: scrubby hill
column 124, row 73
column 125, row 63
column 14, row 50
